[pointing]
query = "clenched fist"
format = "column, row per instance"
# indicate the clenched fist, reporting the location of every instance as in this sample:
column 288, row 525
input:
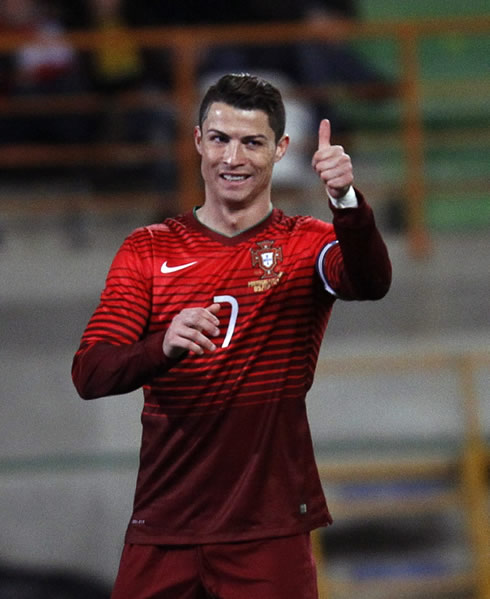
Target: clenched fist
column 333, row 165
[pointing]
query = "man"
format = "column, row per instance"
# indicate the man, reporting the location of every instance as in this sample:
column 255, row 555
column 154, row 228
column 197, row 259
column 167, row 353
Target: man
column 219, row 314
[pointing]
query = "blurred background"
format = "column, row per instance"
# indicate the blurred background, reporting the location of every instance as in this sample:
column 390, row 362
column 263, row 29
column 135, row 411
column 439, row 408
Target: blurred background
column 98, row 99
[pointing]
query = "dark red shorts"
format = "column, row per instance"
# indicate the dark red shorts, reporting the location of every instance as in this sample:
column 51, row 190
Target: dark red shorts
column 281, row 568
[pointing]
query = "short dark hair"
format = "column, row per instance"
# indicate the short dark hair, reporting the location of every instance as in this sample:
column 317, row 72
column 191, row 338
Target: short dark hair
column 247, row 92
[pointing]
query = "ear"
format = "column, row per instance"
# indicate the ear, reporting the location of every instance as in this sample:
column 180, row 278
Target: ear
column 281, row 148
column 198, row 138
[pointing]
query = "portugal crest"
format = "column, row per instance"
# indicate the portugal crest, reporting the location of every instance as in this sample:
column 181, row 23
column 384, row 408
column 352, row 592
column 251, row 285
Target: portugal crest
column 266, row 257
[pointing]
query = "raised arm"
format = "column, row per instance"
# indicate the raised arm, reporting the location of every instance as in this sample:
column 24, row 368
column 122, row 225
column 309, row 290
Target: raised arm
column 358, row 267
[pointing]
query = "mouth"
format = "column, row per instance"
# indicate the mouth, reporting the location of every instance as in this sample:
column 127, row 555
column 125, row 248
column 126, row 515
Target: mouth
column 234, row 178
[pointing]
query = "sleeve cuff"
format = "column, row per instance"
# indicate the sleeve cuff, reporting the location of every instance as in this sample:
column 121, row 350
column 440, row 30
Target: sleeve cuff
column 349, row 200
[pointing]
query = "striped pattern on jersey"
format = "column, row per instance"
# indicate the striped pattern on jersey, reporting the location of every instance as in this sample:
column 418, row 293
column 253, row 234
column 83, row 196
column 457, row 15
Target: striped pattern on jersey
column 274, row 307
column 226, row 452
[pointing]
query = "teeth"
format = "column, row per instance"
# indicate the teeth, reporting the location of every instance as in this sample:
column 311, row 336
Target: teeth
column 234, row 177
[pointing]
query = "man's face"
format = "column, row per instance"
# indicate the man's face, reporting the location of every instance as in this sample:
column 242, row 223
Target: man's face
column 238, row 152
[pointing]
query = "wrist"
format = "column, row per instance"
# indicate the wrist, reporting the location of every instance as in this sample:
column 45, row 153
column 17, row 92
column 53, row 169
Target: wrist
column 348, row 200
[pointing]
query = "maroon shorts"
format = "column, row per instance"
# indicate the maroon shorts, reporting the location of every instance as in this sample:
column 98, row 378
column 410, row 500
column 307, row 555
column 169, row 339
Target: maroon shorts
column 281, row 568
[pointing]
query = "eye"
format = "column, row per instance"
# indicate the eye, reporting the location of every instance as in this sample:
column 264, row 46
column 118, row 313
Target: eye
column 218, row 138
column 254, row 143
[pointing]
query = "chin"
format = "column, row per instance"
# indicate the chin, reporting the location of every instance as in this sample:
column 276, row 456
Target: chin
column 234, row 195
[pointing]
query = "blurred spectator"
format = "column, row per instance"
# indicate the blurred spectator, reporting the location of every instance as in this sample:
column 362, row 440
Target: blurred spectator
column 116, row 68
column 119, row 72
column 133, row 109
column 335, row 62
column 45, row 64
column 117, row 63
column 309, row 64
column 74, row 14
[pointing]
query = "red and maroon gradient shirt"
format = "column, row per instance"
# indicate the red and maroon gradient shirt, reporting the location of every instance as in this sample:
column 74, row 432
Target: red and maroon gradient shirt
column 226, row 450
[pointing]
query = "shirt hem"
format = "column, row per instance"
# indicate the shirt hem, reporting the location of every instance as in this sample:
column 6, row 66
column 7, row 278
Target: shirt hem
column 164, row 538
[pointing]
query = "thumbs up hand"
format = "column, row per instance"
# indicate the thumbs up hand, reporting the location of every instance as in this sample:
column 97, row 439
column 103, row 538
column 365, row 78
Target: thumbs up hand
column 333, row 165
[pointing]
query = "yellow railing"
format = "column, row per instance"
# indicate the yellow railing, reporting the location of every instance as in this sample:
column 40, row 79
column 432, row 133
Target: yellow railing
column 186, row 45
column 468, row 466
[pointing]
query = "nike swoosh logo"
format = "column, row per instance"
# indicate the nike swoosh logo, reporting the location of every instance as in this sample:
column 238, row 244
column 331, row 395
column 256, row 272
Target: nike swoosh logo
column 169, row 269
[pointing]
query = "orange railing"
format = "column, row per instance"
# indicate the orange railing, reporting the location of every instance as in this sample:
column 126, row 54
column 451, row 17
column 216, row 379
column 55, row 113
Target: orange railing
column 186, row 45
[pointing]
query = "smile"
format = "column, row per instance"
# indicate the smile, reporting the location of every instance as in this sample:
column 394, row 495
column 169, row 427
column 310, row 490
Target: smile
column 227, row 177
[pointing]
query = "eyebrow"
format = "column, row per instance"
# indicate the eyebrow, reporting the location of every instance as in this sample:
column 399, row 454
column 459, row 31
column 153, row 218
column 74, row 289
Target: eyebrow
column 251, row 136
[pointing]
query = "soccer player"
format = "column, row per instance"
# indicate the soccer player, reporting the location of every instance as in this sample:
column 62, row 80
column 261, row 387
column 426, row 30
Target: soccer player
column 219, row 315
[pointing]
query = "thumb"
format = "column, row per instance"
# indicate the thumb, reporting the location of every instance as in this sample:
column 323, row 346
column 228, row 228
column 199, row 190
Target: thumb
column 324, row 132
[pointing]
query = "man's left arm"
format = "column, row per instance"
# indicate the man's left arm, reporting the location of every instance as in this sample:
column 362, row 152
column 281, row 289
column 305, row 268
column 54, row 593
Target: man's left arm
column 358, row 267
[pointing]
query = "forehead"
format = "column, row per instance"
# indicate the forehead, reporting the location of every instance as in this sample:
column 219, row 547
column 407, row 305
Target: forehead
column 237, row 121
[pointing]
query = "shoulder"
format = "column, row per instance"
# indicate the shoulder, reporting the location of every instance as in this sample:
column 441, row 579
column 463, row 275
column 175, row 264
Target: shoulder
column 303, row 224
column 167, row 228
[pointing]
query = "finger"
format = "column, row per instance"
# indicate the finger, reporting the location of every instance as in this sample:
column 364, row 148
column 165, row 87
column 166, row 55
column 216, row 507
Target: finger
column 324, row 134
column 214, row 309
column 211, row 327
column 199, row 317
column 206, row 320
column 190, row 340
column 208, row 328
column 198, row 343
column 330, row 171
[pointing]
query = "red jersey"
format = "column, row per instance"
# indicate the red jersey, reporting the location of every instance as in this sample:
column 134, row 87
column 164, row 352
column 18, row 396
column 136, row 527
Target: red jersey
column 226, row 450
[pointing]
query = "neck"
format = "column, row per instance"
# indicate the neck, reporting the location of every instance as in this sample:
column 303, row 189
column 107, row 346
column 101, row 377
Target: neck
column 231, row 221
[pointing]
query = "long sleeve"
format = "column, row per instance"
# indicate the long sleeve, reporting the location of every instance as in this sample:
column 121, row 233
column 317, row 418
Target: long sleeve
column 358, row 267
column 116, row 354
column 102, row 369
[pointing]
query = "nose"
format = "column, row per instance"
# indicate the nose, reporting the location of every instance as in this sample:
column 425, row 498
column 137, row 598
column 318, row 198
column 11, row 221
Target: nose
column 233, row 154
